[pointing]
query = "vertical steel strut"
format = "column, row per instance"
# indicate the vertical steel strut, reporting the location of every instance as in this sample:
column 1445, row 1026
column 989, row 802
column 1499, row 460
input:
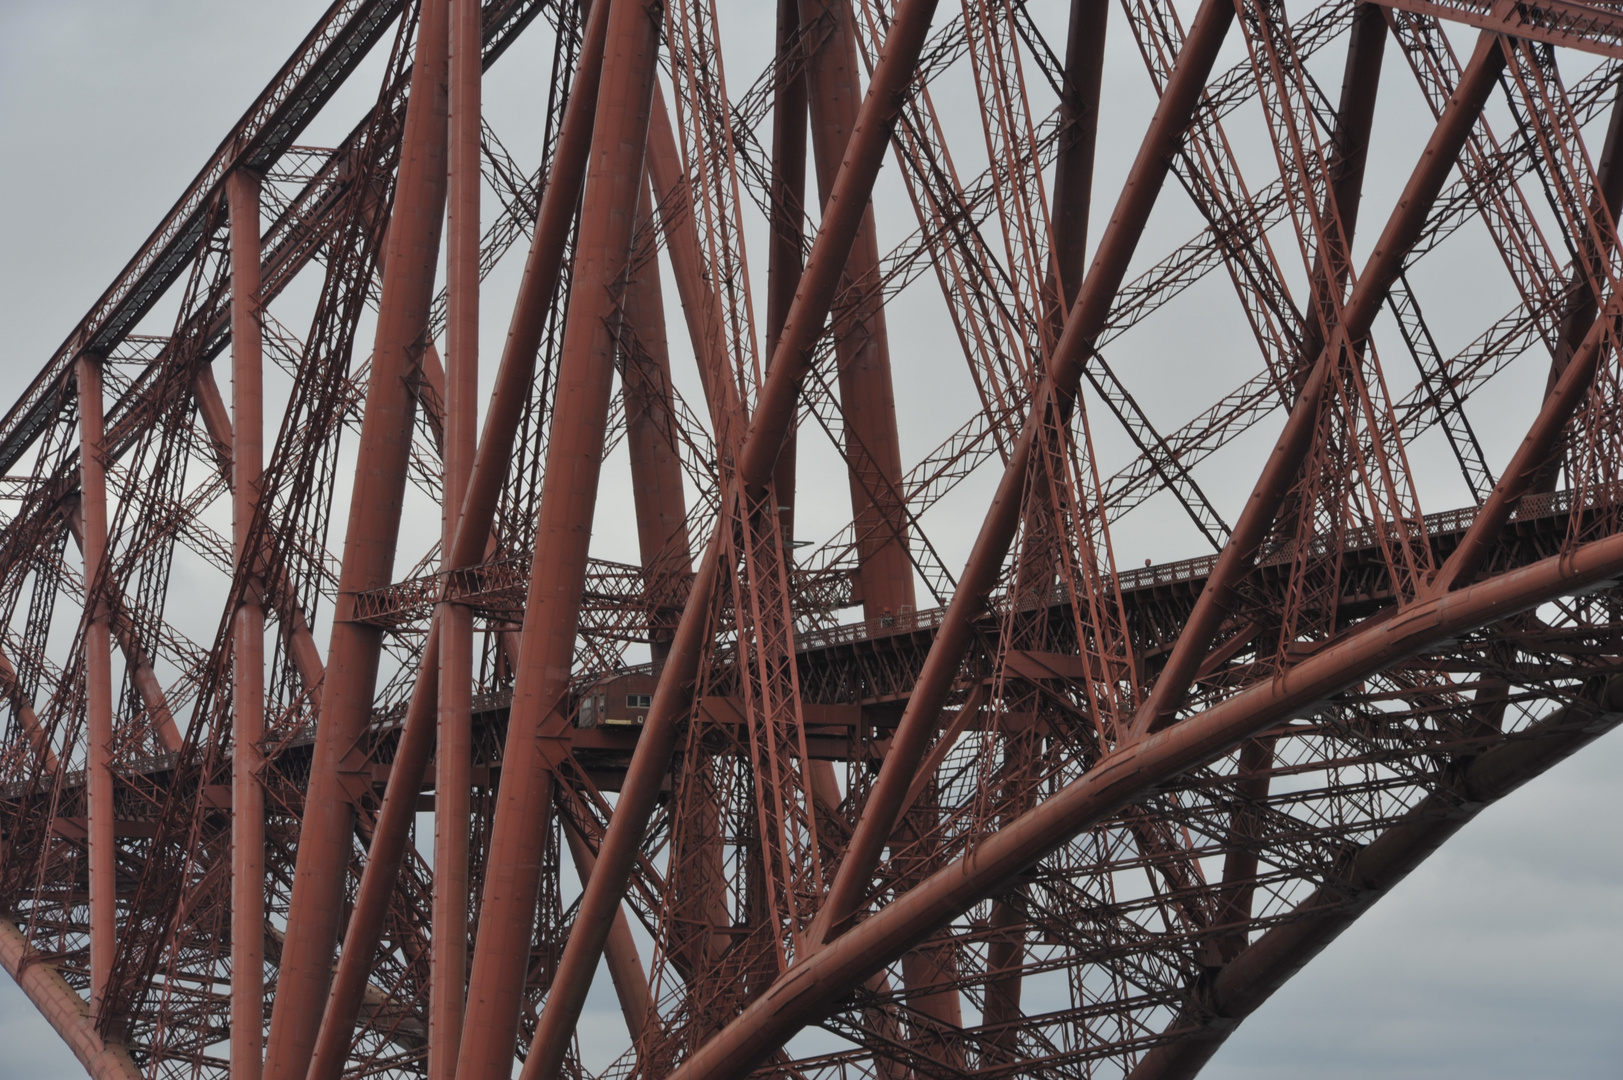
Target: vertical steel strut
column 862, row 346
column 454, row 753
column 98, row 661
column 513, row 376
column 843, row 215
column 563, row 534
column 248, row 682
column 325, row 839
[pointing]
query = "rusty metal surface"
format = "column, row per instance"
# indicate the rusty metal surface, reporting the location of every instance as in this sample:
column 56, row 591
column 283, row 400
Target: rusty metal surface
column 1039, row 811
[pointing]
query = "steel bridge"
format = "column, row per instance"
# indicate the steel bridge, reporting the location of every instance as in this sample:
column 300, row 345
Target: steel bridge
column 824, row 801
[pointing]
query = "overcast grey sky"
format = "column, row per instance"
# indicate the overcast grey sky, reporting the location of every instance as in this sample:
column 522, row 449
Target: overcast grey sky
column 1501, row 957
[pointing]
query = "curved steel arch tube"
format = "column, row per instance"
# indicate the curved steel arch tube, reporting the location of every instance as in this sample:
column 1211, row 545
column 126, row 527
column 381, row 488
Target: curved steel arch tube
column 809, row 989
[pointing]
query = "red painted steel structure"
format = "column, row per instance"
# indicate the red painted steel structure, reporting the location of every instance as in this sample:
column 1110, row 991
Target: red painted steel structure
column 1075, row 818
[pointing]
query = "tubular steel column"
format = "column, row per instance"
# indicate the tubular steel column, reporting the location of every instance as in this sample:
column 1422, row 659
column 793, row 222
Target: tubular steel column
column 454, row 755
column 1073, row 165
column 248, row 658
column 1086, row 319
column 1355, row 117
column 867, row 399
column 656, row 468
column 368, row 560
column 302, row 646
column 513, row 377
column 137, row 666
column 562, row 541
column 625, row 966
column 39, row 740
column 701, row 306
column 1382, row 268
column 774, row 415
column 1581, row 308
column 809, row 988
column 98, row 652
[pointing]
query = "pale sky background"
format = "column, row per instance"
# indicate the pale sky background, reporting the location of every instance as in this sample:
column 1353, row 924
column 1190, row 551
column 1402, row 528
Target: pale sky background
column 1501, row 957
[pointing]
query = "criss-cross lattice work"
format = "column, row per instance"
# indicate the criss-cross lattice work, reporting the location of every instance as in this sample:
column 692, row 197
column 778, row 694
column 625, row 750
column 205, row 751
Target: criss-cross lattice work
column 806, row 680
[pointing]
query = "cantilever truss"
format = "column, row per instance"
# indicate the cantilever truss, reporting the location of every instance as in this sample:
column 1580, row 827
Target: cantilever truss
column 1042, row 813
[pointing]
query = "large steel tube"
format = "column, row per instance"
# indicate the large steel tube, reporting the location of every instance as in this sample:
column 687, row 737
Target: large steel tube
column 1349, row 151
column 302, row 646
column 1581, row 307
column 701, row 307
column 1250, row 978
column 562, row 540
column 248, row 658
column 1071, row 203
column 98, row 661
column 1086, row 319
column 861, row 342
column 810, row 988
column 1535, row 449
column 138, row 665
column 39, row 740
column 625, row 966
column 656, row 467
column 1380, row 270
column 516, row 368
column 473, row 533
column 1078, row 138
column 773, row 417
column 785, row 256
column 1355, row 115
column 390, row 834
column 62, row 1007
column 368, row 555
column 453, row 771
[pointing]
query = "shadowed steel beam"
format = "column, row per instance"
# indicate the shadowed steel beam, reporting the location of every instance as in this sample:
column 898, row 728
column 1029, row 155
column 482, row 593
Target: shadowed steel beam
column 701, row 307
column 1248, row 980
column 39, row 740
column 1086, row 320
column 1349, row 151
column 1078, row 139
column 812, row 987
column 656, row 468
column 453, row 772
column 774, row 414
column 785, row 246
column 1581, row 308
column 1592, row 28
column 62, row 1008
column 98, row 660
column 513, row 376
column 861, row 344
column 248, row 656
column 325, row 837
column 625, row 966
column 562, row 540
column 1385, row 262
